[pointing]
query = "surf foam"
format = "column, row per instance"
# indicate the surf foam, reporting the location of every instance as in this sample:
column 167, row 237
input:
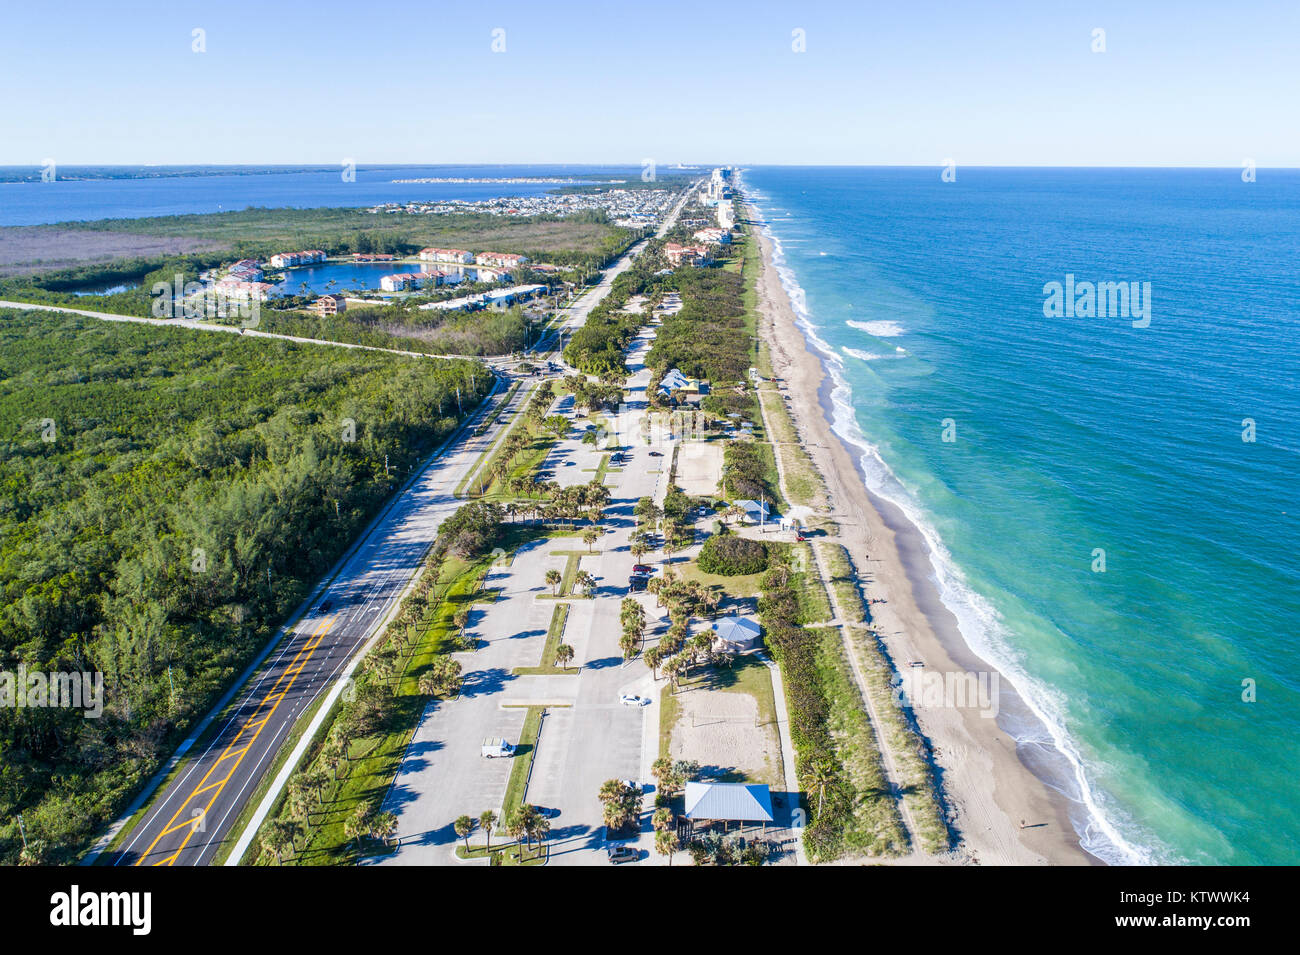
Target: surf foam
column 978, row 621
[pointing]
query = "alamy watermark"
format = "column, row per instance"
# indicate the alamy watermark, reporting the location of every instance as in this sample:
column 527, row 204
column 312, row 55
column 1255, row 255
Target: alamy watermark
column 194, row 301
column 1071, row 299
column 39, row 689
column 929, row 689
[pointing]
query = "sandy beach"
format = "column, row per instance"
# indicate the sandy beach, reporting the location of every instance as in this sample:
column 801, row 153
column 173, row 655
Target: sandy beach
column 1004, row 814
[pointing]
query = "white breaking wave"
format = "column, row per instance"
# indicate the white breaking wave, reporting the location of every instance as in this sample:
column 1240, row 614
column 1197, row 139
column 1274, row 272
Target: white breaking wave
column 861, row 355
column 978, row 620
column 880, row 329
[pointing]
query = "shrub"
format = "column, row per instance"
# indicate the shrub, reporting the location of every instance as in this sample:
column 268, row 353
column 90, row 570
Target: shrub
column 732, row 555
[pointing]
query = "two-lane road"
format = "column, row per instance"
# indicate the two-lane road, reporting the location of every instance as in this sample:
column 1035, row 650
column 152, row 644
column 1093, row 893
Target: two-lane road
column 192, row 818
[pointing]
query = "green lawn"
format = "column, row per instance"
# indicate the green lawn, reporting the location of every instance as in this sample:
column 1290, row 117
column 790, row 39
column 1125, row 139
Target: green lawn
column 875, row 825
column 844, row 581
column 373, row 761
column 525, row 749
column 554, row 636
column 507, row 853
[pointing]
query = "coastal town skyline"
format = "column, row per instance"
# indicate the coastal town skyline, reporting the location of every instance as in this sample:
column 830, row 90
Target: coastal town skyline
column 1011, row 85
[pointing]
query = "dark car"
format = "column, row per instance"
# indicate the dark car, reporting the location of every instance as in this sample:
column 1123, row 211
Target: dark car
column 656, row 454
column 620, row 854
column 325, row 607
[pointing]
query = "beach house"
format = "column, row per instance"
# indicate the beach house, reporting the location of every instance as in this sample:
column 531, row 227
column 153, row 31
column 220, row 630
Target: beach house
column 728, row 802
column 737, row 635
column 756, row 512
column 689, row 254
column 329, row 305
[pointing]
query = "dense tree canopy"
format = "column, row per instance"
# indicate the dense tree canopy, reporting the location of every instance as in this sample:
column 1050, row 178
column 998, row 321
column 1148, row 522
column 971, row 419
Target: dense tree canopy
column 168, row 497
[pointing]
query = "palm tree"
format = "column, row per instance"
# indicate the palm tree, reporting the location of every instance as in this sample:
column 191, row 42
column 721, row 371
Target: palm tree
column 486, row 820
column 461, row 620
column 564, row 655
column 821, row 774
column 358, row 824
column 653, row 657
column 384, row 826
column 638, row 549
column 464, row 825
column 667, row 843
column 277, row 838
column 628, row 643
column 553, row 577
column 540, row 827
column 589, row 537
column 585, row 580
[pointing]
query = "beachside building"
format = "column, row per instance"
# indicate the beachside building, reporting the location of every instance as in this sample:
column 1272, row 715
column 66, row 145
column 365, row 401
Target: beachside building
column 728, row 802
column 678, row 387
column 497, row 298
column 756, row 512
column 689, row 254
column 737, row 635
column 453, row 256
column 501, row 298
column 500, row 260
column 713, row 236
column 329, row 305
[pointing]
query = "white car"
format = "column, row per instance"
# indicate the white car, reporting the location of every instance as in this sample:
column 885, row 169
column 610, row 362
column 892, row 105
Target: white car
column 628, row 699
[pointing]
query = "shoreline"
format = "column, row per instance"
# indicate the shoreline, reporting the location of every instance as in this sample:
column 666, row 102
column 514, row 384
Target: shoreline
column 988, row 780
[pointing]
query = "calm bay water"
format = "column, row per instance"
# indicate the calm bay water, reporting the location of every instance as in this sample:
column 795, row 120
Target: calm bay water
column 1077, row 435
column 70, row 200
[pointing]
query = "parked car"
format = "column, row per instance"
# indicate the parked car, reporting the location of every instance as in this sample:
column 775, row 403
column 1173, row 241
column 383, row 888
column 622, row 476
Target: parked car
column 656, row 454
column 631, row 699
column 620, row 854
column 642, row 569
column 495, row 746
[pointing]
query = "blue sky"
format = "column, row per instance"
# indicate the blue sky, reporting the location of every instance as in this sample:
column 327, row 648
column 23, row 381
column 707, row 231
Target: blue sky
column 1002, row 83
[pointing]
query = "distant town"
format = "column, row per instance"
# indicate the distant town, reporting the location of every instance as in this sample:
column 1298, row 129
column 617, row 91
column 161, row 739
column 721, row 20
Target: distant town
column 625, row 207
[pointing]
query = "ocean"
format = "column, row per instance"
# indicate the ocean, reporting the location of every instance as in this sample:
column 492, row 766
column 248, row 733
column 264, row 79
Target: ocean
column 1109, row 494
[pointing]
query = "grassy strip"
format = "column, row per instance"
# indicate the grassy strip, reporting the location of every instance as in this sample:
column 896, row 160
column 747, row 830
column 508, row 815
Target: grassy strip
column 496, row 412
column 482, row 459
column 507, row 853
column 486, row 463
column 802, row 481
column 910, row 749
column 571, row 567
column 844, row 582
column 522, row 764
column 874, row 824
column 554, row 634
column 814, row 602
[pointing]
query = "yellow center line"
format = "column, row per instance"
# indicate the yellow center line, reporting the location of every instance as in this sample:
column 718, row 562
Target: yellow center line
column 313, row 642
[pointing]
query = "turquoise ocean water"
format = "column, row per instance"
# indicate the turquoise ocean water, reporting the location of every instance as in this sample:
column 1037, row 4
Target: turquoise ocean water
column 1079, row 434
